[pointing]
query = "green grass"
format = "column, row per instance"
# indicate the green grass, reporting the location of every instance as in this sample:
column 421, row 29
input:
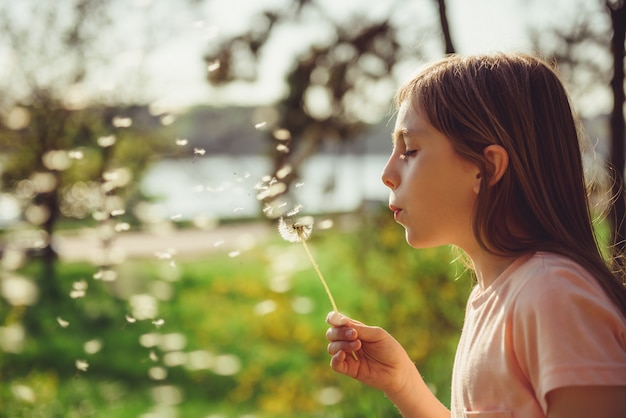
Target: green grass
column 263, row 310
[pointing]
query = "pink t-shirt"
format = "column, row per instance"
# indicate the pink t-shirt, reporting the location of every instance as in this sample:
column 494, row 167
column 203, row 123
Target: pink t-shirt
column 545, row 323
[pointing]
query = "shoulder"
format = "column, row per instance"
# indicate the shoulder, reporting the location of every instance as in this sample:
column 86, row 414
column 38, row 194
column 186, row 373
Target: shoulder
column 554, row 281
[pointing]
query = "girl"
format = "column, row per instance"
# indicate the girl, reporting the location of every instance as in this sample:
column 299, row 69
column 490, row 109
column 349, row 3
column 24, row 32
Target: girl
column 486, row 157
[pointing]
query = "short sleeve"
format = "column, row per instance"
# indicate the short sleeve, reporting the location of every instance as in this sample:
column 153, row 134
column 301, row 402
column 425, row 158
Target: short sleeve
column 567, row 332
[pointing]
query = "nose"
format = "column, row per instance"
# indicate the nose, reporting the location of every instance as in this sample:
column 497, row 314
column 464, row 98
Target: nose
column 389, row 177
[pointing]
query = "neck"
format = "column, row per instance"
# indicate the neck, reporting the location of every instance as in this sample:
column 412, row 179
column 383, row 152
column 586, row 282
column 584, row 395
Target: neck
column 489, row 267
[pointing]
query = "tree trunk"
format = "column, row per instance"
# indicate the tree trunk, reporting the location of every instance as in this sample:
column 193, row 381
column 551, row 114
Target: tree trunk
column 617, row 156
column 445, row 27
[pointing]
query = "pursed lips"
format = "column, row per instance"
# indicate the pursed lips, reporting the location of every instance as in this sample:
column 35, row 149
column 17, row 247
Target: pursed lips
column 396, row 211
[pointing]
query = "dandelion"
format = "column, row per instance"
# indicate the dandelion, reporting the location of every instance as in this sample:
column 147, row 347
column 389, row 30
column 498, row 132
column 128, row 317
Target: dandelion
column 299, row 231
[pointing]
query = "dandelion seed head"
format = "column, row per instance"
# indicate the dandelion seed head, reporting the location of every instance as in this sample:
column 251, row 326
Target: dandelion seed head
column 19, row 291
column 297, row 230
column 24, row 393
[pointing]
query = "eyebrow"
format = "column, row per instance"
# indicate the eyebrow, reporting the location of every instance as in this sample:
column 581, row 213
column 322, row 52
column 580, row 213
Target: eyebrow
column 398, row 135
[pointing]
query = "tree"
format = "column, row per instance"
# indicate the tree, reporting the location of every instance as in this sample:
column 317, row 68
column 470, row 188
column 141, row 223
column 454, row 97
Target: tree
column 590, row 54
column 336, row 85
column 69, row 151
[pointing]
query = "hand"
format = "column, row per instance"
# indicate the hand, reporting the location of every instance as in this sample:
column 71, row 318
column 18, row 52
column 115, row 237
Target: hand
column 382, row 362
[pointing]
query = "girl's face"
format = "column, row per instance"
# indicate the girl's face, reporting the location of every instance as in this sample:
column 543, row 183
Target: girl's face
column 433, row 190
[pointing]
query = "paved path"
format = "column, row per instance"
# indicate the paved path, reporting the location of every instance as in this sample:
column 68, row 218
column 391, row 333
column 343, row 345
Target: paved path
column 180, row 243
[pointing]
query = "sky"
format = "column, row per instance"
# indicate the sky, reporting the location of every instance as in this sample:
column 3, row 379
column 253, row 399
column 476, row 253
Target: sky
column 173, row 75
column 478, row 26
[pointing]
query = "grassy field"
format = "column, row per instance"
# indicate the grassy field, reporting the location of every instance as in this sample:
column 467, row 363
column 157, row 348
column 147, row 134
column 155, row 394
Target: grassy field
column 230, row 335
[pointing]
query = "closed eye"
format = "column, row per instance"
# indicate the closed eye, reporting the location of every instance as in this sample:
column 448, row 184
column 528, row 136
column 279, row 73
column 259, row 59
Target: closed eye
column 408, row 154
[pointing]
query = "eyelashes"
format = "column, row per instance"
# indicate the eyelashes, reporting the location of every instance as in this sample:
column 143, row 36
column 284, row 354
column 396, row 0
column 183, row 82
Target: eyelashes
column 408, row 154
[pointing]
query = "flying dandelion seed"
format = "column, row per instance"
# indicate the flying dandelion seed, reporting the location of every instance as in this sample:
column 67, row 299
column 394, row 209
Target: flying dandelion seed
column 79, row 289
column 282, row 148
column 158, row 322
column 199, row 151
column 181, row 142
column 238, row 209
column 260, row 125
column 234, row 254
column 167, row 120
column 82, row 365
column 298, row 185
column 153, row 356
column 117, row 212
column 130, row 319
column 215, row 65
column 218, row 243
column 295, row 210
column 121, row 122
column 122, row 226
column 299, row 231
column 76, row 155
column 106, row 141
column 62, row 322
column 282, row 134
column 176, row 217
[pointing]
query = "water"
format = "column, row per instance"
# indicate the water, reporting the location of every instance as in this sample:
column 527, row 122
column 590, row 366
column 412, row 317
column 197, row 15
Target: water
column 223, row 187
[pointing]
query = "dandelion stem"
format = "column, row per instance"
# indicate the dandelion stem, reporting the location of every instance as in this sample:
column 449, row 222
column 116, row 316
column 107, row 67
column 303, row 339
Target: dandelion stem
column 319, row 274
column 330, row 295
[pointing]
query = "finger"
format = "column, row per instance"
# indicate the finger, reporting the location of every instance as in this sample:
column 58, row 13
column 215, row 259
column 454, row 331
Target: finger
column 338, row 362
column 348, row 346
column 341, row 333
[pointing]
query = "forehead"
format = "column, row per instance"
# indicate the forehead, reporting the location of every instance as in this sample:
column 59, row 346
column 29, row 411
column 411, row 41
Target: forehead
column 410, row 119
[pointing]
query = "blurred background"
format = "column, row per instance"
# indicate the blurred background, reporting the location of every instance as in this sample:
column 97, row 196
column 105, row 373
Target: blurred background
column 148, row 148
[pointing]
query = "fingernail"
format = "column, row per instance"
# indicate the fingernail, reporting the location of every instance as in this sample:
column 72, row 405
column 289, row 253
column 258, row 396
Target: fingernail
column 350, row 333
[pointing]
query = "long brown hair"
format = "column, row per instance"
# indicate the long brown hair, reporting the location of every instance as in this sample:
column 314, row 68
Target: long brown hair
column 518, row 102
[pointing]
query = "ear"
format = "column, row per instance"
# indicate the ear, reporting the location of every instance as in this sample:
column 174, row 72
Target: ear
column 498, row 160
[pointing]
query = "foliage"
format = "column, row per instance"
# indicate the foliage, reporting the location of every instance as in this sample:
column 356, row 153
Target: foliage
column 340, row 80
column 234, row 335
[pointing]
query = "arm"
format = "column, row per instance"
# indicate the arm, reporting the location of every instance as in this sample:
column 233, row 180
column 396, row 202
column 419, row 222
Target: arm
column 383, row 364
column 587, row 401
